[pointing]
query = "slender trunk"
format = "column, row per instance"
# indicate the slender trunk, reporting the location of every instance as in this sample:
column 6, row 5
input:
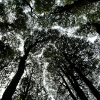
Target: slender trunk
column 75, row 85
column 81, row 93
column 88, row 83
column 67, row 87
column 12, row 86
column 26, row 92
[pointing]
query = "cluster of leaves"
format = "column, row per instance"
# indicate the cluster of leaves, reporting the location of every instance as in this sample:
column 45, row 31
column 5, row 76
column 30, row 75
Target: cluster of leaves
column 44, row 6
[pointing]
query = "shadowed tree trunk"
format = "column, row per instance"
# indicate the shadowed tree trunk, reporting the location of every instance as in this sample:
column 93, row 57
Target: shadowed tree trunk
column 14, row 82
column 67, row 87
column 88, row 83
column 12, row 86
column 75, row 85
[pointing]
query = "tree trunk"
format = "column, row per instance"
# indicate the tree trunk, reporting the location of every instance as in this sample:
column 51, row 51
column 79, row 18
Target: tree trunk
column 67, row 87
column 75, row 85
column 12, row 86
column 88, row 83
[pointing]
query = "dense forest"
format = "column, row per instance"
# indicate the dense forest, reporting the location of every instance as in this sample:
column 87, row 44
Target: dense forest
column 50, row 49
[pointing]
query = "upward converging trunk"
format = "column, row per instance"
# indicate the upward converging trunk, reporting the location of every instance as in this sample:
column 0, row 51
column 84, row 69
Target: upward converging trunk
column 67, row 87
column 88, row 83
column 13, row 84
column 75, row 85
column 27, row 89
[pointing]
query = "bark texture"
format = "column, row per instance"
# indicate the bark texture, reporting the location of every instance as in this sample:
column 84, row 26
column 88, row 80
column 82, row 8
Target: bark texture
column 87, row 82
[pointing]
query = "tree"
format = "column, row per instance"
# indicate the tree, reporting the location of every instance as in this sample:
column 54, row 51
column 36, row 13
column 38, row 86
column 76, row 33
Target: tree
column 92, row 88
column 72, row 52
column 88, row 83
column 10, row 91
column 34, row 26
column 67, row 87
column 31, row 85
column 44, row 6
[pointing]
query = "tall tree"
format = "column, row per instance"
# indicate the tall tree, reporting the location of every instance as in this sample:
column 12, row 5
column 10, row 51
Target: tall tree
column 12, row 86
column 67, row 87
column 89, row 84
column 35, row 28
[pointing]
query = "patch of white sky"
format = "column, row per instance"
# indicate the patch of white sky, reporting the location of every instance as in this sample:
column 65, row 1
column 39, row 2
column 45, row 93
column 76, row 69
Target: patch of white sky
column 1, row 91
column 58, row 2
column 11, row 16
column 70, row 32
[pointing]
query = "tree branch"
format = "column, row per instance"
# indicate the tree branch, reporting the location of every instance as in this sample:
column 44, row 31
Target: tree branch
column 27, row 3
column 77, row 4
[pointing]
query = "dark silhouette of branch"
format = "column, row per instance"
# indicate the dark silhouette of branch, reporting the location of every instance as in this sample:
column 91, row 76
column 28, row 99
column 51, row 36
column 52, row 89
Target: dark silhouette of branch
column 97, row 26
column 75, row 5
column 27, row 3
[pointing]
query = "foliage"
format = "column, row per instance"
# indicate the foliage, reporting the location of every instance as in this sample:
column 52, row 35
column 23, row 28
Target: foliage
column 44, row 6
column 34, row 35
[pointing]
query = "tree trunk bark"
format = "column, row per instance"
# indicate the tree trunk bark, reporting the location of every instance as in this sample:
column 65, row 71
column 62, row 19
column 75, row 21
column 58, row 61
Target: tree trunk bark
column 75, row 85
column 67, row 87
column 88, row 83
column 12, row 86
column 27, row 88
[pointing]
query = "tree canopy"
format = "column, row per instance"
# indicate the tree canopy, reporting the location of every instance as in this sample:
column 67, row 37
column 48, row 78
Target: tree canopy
column 49, row 49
